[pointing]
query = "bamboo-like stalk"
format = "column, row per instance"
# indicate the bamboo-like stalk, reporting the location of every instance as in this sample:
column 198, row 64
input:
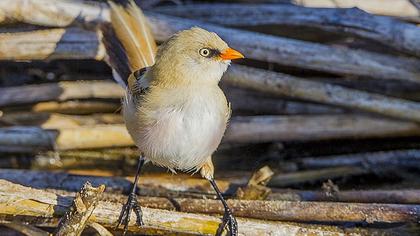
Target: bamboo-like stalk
column 307, row 211
column 101, row 230
column 395, row 8
column 57, row 121
column 281, row 180
column 31, row 203
column 149, row 184
column 24, row 229
column 396, row 158
column 99, row 136
column 75, row 219
column 241, row 130
column 75, row 107
column 262, row 47
column 60, row 91
column 271, row 210
column 46, row 44
column 282, row 84
column 352, row 21
column 401, row 196
column 279, row 210
column 64, row 13
column 246, row 101
column 314, row 127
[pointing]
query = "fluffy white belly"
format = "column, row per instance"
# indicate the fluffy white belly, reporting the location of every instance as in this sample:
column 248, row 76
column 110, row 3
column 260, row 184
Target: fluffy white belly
column 179, row 135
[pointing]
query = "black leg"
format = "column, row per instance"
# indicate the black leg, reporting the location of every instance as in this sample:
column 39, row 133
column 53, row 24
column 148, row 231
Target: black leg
column 132, row 203
column 228, row 218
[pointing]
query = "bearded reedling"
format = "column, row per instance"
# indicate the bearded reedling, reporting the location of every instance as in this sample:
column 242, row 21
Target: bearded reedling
column 173, row 109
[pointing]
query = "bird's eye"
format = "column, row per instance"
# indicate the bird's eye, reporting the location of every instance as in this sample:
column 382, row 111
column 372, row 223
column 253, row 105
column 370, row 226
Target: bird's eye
column 205, row 52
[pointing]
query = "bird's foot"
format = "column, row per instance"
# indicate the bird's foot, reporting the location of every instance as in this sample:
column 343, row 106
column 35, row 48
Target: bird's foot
column 230, row 221
column 132, row 204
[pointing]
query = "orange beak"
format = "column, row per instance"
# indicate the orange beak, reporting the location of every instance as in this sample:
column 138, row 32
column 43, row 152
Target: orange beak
column 230, row 54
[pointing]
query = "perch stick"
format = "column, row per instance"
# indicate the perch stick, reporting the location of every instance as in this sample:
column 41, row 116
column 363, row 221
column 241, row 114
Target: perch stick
column 33, row 203
column 395, row 157
column 401, row 196
column 271, row 210
column 75, row 219
column 60, row 91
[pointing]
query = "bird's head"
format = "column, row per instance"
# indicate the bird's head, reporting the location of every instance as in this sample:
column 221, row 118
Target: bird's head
column 195, row 55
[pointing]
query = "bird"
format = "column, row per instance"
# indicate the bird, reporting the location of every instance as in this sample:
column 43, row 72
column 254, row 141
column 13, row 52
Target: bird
column 173, row 106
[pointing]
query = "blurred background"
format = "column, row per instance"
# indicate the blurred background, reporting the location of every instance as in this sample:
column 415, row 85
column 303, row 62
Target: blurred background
column 326, row 108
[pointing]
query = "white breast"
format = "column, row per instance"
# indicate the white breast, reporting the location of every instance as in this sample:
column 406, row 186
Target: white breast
column 179, row 132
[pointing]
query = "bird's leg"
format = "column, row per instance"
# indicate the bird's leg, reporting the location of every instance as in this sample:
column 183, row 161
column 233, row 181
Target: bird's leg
column 132, row 203
column 228, row 218
column 207, row 171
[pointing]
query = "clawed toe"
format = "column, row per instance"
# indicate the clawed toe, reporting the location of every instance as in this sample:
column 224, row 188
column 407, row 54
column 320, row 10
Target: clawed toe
column 229, row 221
column 124, row 218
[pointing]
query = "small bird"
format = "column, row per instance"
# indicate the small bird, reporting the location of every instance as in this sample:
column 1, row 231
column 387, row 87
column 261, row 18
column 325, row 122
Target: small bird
column 173, row 108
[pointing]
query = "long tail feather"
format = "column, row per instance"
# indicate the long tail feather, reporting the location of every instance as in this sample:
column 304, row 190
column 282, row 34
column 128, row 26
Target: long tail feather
column 129, row 42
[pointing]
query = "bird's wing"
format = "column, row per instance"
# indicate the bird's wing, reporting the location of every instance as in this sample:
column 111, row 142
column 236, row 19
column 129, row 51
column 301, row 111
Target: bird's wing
column 137, row 82
column 129, row 42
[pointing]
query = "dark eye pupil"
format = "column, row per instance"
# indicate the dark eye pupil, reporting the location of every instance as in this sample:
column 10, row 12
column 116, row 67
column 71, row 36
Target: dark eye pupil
column 205, row 52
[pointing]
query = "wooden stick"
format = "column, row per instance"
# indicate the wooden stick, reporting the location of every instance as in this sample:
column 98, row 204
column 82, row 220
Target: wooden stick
column 307, row 211
column 256, row 188
column 330, row 212
column 247, row 101
column 102, row 231
column 105, row 159
column 401, row 196
column 388, row 7
column 75, row 219
column 41, row 204
column 64, row 13
column 50, row 44
column 75, row 107
column 279, row 210
column 25, row 229
column 281, row 180
column 60, row 91
column 397, row 157
column 314, row 127
column 262, row 47
column 352, row 21
column 149, row 184
column 241, row 130
column 64, row 139
column 282, row 84
column 57, row 121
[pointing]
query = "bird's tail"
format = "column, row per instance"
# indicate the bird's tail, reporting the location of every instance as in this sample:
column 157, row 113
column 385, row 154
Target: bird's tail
column 129, row 43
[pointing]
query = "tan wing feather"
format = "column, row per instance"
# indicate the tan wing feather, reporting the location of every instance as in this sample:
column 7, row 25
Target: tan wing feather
column 131, row 28
column 144, row 28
